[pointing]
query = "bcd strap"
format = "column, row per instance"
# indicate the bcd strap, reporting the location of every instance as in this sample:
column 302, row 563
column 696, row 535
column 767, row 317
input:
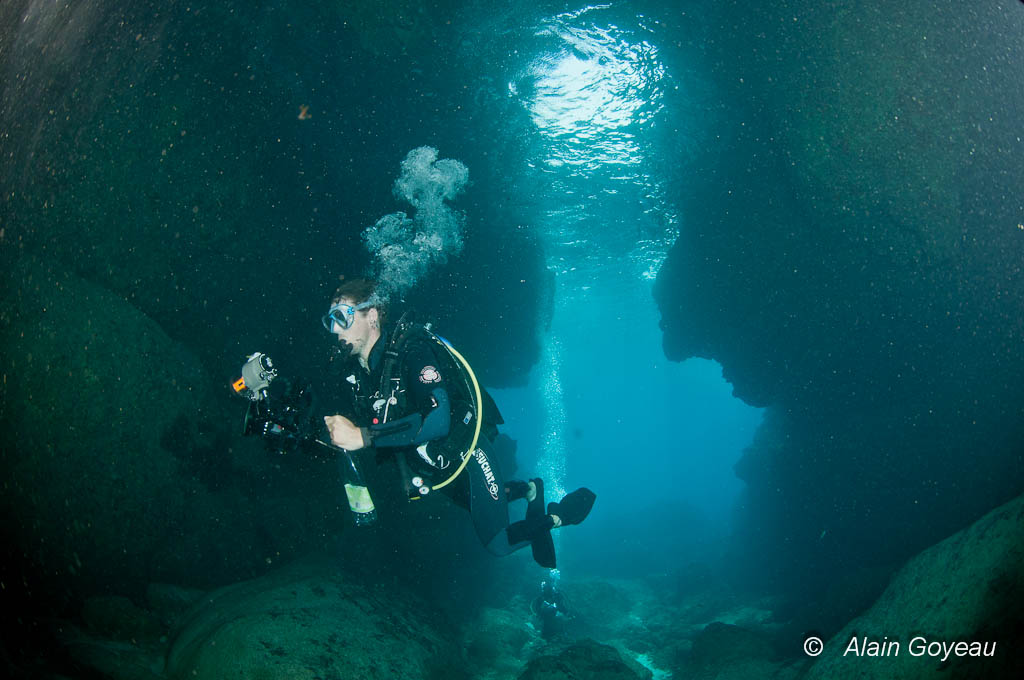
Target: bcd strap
column 405, row 331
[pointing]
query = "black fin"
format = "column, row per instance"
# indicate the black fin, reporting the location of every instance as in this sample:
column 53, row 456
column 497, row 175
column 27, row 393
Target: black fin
column 575, row 507
column 536, row 506
column 544, row 550
column 543, row 546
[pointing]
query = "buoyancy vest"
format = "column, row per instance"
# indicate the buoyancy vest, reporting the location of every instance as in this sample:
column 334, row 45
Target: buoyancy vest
column 461, row 393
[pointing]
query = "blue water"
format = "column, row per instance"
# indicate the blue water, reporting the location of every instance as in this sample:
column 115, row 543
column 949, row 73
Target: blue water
column 605, row 207
column 656, row 440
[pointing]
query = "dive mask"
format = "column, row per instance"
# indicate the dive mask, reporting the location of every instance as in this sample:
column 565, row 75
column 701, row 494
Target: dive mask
column 340, row 316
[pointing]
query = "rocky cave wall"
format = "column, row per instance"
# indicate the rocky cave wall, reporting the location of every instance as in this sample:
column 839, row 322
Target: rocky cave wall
column 851, row 255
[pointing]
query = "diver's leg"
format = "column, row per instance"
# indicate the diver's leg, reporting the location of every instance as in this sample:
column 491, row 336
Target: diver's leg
column 487, row 500
column 535, row 529
column 458, row 492
column 529, row 529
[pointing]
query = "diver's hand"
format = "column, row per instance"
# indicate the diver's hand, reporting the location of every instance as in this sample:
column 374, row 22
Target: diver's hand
column 344, row 433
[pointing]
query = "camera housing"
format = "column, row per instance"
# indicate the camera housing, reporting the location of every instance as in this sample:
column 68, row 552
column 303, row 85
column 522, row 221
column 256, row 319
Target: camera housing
column 280, row 410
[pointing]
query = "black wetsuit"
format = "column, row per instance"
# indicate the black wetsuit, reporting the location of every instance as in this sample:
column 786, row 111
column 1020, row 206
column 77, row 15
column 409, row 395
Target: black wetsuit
column 412, row 417
column 422, row 395
column 421, row 412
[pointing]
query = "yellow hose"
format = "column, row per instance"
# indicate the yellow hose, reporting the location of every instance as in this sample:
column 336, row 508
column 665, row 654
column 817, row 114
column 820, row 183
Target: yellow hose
column 479, row 417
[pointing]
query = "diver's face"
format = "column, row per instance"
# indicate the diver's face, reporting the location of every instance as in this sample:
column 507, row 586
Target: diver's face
column 358, row 339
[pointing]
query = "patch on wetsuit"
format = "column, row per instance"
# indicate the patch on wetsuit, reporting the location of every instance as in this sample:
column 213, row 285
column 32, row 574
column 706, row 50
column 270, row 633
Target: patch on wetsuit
column 429, row 375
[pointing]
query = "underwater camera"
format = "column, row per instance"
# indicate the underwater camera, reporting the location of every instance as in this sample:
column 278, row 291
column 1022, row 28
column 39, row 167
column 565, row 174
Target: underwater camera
column 280, row 410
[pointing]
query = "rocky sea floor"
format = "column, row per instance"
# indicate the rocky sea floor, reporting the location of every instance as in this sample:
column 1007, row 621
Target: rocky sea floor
column 307, row 620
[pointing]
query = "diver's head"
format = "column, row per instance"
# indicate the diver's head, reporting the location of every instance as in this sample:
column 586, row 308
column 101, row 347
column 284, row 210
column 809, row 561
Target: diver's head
column 547, row 588
column 355, row 317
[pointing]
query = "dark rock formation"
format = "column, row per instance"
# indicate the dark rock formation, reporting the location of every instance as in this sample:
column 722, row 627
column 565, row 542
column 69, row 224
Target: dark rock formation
column 850, row 255
column 115, row 449
column 498, row 640
column 722, row 651
column 968, row 588
column 586, row 659
column 115, row 617
column 300, row 621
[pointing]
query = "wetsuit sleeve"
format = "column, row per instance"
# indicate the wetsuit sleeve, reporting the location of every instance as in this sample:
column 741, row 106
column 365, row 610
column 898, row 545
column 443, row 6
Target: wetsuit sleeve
column 427, row 399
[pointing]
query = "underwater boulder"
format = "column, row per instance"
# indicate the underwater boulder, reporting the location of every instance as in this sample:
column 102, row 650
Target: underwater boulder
column 307, row 621
column 497, row 639
column 723, row 651
column 113, row 446
column 116, row 617
column 585, row 659
column 968, row 588
column 304, row 620
column 602, row 604
column 170, row 602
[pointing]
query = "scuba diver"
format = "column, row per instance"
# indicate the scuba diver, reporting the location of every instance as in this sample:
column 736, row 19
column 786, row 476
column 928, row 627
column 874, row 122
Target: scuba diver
column 416, row 398
column 550, row 608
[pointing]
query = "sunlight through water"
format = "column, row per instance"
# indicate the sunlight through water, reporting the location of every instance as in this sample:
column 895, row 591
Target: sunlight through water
column 594, row 96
